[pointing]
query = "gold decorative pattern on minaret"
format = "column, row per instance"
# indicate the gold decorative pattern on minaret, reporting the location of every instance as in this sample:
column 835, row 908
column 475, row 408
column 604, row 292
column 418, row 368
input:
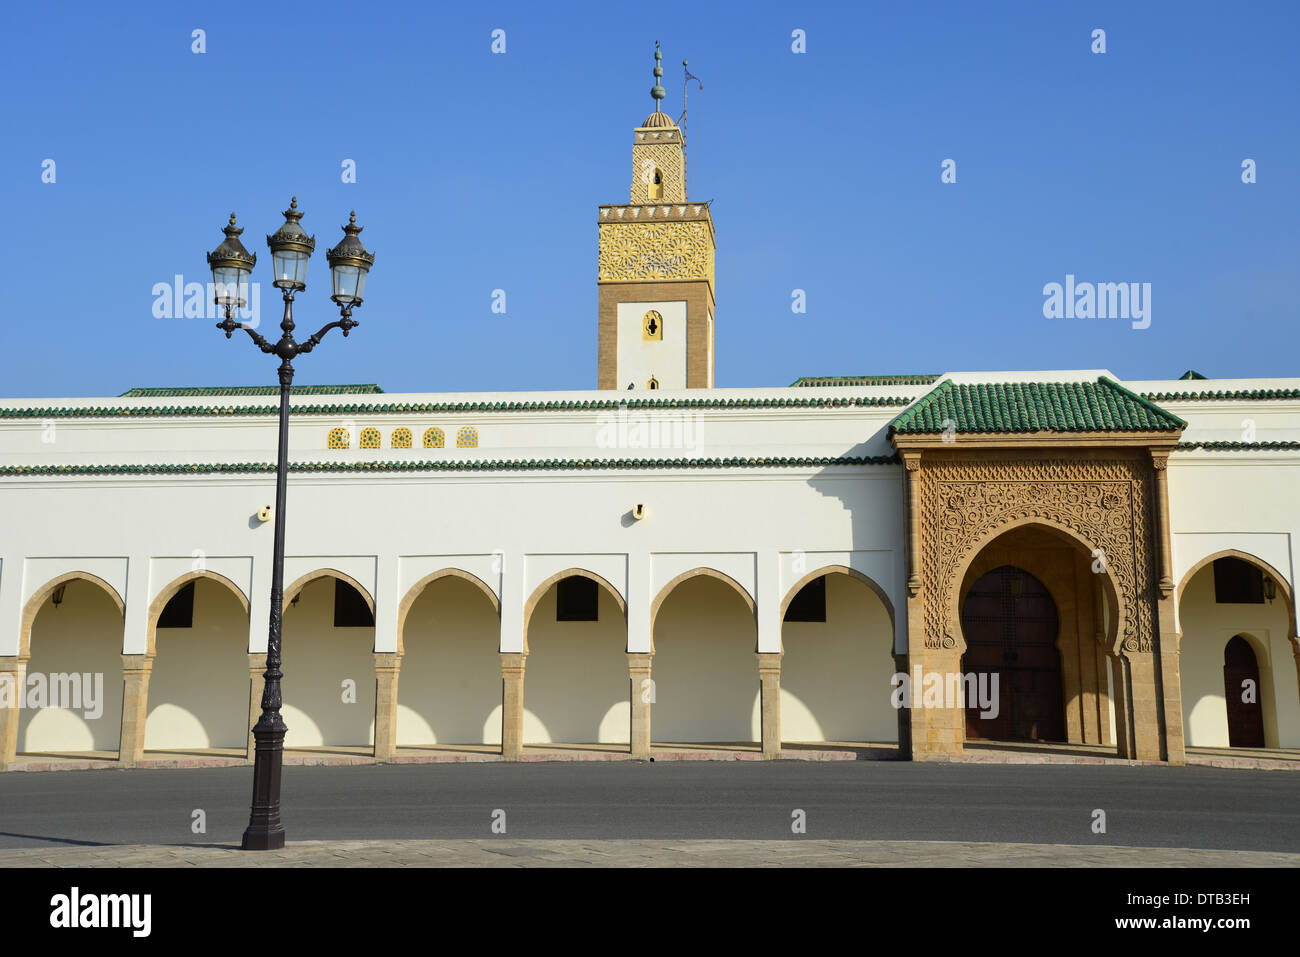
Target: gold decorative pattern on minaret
column 655, row 251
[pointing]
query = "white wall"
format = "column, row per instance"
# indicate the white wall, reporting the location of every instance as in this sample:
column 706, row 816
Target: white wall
column 639, row 358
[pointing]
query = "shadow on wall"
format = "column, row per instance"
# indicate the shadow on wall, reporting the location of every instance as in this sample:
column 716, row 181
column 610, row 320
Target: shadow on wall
column 449, row 689
column 705, row 667
column 576, row 679
column 329, row 683
column 835, row 675
column 853, row 702
column 83, row 636
column 198, row 691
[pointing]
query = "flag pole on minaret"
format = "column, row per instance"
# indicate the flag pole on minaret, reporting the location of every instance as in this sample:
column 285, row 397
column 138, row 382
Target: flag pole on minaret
column 682, row 123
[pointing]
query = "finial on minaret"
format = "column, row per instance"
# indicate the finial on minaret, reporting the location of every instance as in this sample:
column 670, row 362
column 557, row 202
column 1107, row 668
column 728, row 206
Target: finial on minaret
column 657, row 91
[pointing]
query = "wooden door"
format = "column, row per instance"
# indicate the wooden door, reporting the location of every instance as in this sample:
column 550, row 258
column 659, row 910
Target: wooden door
column 1245, row 718
column 1010, row 625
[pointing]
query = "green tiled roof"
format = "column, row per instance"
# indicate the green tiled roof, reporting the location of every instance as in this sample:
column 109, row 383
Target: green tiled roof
column 1011, row 407
column 237, row 390
column 409, row 408
column 1191, row 374
column 842, row 380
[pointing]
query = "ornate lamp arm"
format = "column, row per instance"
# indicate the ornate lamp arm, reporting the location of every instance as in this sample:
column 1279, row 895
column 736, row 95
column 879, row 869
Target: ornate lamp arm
column 229, row 325
column 347, row 324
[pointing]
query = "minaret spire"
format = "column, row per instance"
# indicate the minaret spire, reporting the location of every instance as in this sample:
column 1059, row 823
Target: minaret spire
column 657, row 91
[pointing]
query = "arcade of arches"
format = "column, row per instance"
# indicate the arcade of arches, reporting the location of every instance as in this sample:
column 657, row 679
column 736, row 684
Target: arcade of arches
column 1030, row 605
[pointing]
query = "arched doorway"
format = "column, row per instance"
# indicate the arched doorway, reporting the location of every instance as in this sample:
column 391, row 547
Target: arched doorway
column 329, row 663
column 837, row 638
column 1010, row 624
column 1242, row 690
column 705, row 668
column 1232, row 597
column 73, row 696
column 198, row 690
column 576, row 685
column 450, row 689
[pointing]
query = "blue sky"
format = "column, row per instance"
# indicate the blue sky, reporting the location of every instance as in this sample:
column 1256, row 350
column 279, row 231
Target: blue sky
column 479, row 171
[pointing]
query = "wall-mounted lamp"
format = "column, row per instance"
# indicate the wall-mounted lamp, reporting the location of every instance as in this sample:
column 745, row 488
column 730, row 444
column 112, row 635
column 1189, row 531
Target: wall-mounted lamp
column 1270, row 588
column 57, row 597
column 638, row 512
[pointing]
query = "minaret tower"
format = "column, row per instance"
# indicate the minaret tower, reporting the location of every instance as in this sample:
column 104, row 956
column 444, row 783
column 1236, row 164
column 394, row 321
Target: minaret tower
column 655, row 269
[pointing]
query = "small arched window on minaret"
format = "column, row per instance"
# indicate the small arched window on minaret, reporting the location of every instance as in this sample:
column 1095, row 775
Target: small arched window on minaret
column 656, row 185
column 653, row 383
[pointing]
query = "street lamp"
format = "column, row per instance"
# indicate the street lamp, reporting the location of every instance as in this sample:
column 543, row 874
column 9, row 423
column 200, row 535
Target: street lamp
column 231, row 266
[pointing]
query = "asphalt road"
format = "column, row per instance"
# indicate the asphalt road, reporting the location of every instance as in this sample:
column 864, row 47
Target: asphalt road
column 844, row 800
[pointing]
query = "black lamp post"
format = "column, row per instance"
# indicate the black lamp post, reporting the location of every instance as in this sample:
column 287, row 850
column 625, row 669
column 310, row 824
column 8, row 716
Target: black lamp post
column 231, row 266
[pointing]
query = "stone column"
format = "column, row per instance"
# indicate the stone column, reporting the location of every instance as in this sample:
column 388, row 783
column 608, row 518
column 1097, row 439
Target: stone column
column 642, row 696
column 1160, row 465
column 1171, row 691
column 256, row 683
column 904, row 712
column 512, row 705
column 387, row 667
column 135, row 707
column 1146, row 706
column 1103, row 692
column 911, row 494
column 769, row 683
column 944, row 728
column 1124, row 746
column 13, row 691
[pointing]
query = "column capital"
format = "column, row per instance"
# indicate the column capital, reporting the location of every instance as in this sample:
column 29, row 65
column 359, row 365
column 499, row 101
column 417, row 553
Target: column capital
column 137, row 664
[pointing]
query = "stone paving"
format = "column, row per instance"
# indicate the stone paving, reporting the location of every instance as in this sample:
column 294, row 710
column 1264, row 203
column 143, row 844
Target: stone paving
column 503, row 852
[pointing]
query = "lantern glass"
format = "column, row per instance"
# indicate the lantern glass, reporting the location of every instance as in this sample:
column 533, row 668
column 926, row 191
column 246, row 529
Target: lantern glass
column 230, row 285
column 349, row 283
column 290, row 266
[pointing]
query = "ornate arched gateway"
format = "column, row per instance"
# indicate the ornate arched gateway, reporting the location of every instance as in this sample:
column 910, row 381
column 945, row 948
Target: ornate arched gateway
column 1085, row 460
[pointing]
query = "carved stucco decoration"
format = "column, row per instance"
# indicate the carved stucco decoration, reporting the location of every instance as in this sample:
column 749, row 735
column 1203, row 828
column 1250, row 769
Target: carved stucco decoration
column 667, row 158
column 655, row 251
column 963, row 505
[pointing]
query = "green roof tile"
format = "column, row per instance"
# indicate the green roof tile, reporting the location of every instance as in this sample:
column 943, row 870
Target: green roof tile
column 851, row 380
column 1017, row 407
column 236, row 390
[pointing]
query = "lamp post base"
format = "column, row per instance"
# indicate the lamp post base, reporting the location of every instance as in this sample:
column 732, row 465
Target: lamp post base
column 264, row 831
column 270, row 839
